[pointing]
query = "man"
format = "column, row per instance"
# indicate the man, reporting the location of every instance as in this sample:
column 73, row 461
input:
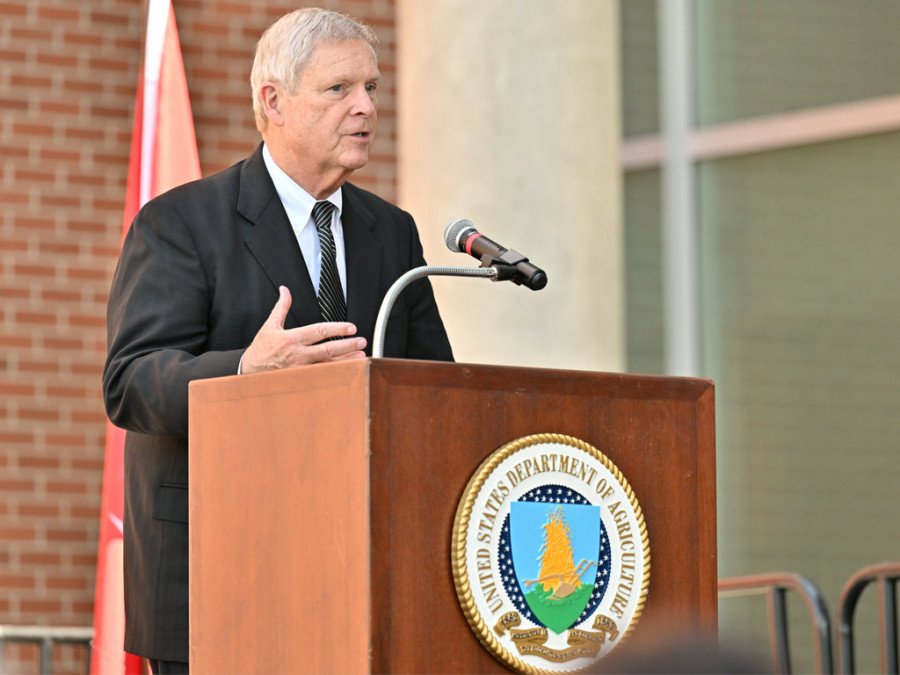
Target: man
column 221, row 276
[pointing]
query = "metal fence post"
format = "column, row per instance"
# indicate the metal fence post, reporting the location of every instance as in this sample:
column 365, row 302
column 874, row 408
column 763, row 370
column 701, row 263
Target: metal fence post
column 775, row 585
column 885, row 577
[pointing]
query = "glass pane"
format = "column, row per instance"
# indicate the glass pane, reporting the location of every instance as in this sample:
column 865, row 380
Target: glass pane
column 771, row 56
column 643, row 272
column 801, row 323
column 640, row 87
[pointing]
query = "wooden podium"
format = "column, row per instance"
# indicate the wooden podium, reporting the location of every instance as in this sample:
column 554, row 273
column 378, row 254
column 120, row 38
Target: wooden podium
column 322, row 502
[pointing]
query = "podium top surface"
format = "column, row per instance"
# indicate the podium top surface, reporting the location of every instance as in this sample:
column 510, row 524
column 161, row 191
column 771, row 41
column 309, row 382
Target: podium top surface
column 460, row 375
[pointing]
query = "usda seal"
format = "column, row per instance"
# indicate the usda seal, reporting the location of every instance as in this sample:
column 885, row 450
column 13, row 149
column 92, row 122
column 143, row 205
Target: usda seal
column 550, row 554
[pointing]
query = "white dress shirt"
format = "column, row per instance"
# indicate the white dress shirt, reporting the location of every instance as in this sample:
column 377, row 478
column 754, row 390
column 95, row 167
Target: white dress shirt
column 299, row 204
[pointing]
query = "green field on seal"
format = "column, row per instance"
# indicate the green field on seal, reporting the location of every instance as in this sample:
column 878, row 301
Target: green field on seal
column 558, row 615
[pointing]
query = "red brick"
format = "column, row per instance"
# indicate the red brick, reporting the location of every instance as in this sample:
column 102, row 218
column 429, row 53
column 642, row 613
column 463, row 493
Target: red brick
column 102, row 65
column 15, row 341
column 84, row 559
column 30, row 34
column 12, row 9
column 12, row 56
column 84, row 134
column 54, row 295
column 39, row 415
column 65, row 392
column 111, row 19
column 36, row 318
column 18, row 292
column 13, row 245
column 88, row 226
column 63, row 343
column 11, row 198
column 65, row 201
column 41, row 606
column 32, row 223
column 92, row 369
column 66, row 583
column 31, row 176
column 238, row 8
column 16, row 437
column 59, row 535
column 82, row 39
column 16, row 389
column 126, row 44
column 41, row 558
column 67, row 487
column 16, row 104
column 70, row 440
column 43, row 510
column 57, row 13
column 95, row 416
column 30, row 82
column 36, row 462
column 56, row 61
column 38, row 366
column 87, row 179
column 34, row 270
column 106, row 251
column 17, row 533
column 210, row 29
column 91, row 513
column 97, row 320
column 56, row 154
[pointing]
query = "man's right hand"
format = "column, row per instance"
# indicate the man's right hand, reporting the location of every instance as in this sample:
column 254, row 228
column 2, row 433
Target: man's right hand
column 274, row 347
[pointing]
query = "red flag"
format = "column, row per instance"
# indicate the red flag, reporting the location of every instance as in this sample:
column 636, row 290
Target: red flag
column 163, row 155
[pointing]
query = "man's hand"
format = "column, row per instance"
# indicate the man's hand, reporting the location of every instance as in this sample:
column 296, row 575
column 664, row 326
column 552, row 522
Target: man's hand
column 274, row 347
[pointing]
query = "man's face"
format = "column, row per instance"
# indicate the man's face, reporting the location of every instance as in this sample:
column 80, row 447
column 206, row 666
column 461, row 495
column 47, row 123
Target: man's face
column 329, row 124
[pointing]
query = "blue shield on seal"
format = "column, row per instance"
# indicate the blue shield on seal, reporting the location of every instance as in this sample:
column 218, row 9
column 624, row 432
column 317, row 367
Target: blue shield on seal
column 554, row 553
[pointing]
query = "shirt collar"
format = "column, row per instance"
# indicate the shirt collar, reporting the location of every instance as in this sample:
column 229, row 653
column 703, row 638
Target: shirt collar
column 296, row 200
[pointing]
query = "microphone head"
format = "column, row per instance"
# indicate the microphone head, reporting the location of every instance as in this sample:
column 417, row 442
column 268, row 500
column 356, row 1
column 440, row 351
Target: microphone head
column 453, row 233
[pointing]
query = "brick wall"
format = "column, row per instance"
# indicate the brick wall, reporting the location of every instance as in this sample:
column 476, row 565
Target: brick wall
column 68, row 72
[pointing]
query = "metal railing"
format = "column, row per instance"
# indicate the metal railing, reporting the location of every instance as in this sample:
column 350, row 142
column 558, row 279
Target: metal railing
column 885, row 577
column 775, row 586
column 46, row 637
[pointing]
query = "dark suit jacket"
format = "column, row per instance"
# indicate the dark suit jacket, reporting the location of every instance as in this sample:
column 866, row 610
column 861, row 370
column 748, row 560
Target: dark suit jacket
column 198, row 276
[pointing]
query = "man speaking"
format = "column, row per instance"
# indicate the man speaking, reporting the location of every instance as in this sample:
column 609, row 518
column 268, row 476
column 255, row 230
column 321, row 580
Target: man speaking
column 276, row 262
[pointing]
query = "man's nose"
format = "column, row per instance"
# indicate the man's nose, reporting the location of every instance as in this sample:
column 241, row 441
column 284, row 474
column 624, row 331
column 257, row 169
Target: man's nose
column 364, row 103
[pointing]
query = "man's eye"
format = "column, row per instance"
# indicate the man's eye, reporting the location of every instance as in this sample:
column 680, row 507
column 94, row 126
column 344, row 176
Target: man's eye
column 337, row 88
column 371, row 87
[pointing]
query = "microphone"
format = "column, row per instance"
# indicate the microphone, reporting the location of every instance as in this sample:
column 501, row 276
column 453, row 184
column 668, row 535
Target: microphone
column 462, row 237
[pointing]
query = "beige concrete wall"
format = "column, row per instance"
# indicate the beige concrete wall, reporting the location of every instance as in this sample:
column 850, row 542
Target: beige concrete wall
column 509, row 116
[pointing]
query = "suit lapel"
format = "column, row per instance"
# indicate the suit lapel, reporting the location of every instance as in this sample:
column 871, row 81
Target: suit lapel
column 364, row 256
column 272, row 241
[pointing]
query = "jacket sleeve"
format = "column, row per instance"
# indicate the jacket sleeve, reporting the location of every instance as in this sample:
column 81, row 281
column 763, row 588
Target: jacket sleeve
column 426, row 337
column 157, row 325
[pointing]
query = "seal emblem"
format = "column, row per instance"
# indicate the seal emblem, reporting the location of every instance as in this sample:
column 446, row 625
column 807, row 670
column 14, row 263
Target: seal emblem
column 550, row 554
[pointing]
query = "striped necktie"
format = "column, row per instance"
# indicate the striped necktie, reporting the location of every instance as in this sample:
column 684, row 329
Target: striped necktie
column 331, row 295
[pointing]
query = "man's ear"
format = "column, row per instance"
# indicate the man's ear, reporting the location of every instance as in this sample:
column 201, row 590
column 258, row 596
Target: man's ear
column 271, row 97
